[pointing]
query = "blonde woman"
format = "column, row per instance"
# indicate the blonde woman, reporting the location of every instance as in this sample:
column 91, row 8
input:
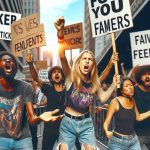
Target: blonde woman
column 82, row 84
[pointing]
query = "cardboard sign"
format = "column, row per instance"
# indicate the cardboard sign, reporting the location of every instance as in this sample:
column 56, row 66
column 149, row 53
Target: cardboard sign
column 109, row 16
column 41, row 65
column 140, row 45
column 6, row 19
column 27, row 33
column 73, row 36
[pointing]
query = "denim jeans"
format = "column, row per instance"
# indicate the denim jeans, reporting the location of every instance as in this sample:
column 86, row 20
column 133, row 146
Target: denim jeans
column 116, row 143
column 11, row 144
column 145, row 142
column 71, row 129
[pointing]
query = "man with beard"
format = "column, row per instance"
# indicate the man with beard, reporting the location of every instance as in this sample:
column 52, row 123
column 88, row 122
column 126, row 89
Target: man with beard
column 16, row 98
column 55, row 94
column 141, row 76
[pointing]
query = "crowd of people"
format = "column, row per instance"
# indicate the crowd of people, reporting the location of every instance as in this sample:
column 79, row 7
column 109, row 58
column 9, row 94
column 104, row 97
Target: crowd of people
column 68, row 97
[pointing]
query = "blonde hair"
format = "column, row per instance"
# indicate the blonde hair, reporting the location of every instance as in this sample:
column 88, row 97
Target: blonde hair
column 76, row 73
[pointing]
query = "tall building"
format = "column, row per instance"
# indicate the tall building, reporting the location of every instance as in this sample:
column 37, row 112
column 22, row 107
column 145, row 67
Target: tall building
column 31, row 7
column 89, row 42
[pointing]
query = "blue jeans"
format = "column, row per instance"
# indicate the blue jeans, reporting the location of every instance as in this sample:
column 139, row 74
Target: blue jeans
column 71, row 129
column 116, row 143
column 144, row 142
column 11, row 144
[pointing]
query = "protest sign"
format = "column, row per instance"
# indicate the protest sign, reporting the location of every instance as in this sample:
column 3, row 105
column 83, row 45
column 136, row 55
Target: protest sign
column 73, row 36
column 43, row 75
column 140, row 46
column 109, row 16
column 27, row 33
column 6, row 19
column 41, row 65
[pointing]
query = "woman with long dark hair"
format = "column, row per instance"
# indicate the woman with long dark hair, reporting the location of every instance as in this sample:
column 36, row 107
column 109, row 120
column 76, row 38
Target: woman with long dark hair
column 125, row 112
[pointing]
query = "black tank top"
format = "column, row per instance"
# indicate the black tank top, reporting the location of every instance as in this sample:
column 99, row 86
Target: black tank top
column 124, row 120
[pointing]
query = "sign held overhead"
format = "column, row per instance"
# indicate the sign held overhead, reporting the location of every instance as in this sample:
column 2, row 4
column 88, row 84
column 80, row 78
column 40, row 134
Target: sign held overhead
column 73, row 36
column 27, row 33
column 109, row 16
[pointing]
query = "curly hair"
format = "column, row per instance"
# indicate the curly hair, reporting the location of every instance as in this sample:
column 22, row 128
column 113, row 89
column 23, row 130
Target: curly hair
column 51, row 71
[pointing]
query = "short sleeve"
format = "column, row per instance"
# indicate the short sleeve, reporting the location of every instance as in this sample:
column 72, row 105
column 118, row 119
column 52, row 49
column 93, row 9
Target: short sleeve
column 30, row 95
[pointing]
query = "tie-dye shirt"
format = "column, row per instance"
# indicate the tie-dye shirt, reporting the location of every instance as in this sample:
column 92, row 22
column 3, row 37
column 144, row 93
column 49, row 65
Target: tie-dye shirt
column 80, row 100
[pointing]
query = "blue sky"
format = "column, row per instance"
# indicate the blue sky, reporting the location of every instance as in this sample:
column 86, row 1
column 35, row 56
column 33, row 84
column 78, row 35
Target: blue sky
column 72, row 10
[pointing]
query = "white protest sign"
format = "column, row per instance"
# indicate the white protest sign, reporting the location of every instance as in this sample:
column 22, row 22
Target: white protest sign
column 27, row 33
column 109, row 16
column 140, row 46
column 73, row 36
column 6, row 19
column 43, row 75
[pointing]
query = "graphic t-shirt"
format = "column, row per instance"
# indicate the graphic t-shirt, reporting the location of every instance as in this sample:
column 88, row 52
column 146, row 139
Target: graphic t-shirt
column 13, row 119
column 80, row 100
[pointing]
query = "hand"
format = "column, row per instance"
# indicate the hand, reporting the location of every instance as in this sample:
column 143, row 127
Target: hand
column 109, row 134
column 98, row 109
column 48, row 116
column 59, row 24
column 116, row 80
column 122, row 64
column 29, row 58
column 105, row 106
column 115, row 57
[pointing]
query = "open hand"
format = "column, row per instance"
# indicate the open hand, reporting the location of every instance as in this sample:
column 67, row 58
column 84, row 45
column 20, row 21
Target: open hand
column 48, row 116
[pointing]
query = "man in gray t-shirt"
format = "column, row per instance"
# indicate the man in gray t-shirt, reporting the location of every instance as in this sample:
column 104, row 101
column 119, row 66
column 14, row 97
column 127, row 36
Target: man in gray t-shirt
column 17, row 98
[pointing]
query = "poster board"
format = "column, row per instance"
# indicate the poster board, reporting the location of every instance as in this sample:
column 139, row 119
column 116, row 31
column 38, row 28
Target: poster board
column 140, row 47
column 73, row 36
column 27, row 33
column 109, row 16
column 6, row 19
column 41, row 65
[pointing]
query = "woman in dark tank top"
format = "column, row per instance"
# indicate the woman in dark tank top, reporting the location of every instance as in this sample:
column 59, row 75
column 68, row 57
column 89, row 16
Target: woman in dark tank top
column 124, row 110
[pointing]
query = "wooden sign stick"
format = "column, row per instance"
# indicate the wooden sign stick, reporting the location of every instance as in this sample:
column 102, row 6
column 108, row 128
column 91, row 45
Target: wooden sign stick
column 114, row 51
column 71, row 61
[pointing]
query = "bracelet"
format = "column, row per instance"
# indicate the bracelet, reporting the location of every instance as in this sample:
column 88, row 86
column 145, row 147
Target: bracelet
column 60, row 39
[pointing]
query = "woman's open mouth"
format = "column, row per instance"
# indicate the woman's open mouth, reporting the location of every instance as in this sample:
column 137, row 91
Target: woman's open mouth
column 86, row 68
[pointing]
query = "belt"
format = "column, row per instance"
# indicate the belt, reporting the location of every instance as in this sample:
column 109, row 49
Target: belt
column 124, row 136
column 86, row 115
